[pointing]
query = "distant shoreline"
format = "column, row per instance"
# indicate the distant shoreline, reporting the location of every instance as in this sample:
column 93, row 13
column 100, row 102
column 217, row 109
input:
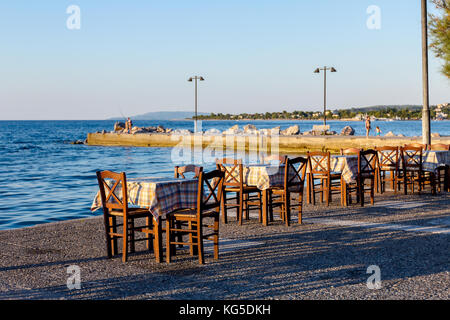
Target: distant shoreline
column 321, row 120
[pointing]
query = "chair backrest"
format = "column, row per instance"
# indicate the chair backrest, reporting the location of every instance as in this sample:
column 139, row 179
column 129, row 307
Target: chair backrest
column 319, row 162
column 233, row 170
column 415, row 145
column 111, row 183
column 295, row 171
column 180, row 171
column 274, row 158
column 349, row 151
column 412, row 157
column 367, row 162
column 388, row 157
column 210, row 186
column 439, row 147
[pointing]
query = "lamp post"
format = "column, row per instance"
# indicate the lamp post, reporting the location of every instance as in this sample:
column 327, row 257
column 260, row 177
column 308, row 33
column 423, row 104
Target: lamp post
column 426, row 137
column 195, row 78
column 325, row 90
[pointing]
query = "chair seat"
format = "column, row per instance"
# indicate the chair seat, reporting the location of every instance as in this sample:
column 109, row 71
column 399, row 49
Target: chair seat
column 247, row 189
column 134, row 212
column 333, row 175
column 280, row 190
column 192, row 213
column 387, row 167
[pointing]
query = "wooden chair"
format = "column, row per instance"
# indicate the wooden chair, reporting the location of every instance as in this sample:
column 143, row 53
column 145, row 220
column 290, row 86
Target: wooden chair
column 294, row 181
column 180, row 171
column 193, row 221
column 412, row 170
column 320, row 169
column 116, row 205
column 443, row 171
column 179, row 174
column 368, row 163
column 247, row 197
column 389, row 159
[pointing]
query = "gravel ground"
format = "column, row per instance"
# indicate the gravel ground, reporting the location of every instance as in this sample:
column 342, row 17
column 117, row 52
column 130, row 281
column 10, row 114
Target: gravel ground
column 314, row 261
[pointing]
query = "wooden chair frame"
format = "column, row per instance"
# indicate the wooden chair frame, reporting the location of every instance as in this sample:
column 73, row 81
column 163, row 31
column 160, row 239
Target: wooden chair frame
column 192, row 220
column 319, row 164
column 247, row 197
column 389, row 160
column 443, row 171
column 293, row 183
column 114, row 207
column 368, row 164
column 413, row 173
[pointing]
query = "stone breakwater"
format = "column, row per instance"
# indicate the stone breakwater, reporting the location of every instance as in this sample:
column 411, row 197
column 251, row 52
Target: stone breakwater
column 233, row 140
column 249, row 129
column 249, row 138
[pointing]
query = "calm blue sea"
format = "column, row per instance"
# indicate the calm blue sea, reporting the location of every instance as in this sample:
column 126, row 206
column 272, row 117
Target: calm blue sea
column 44, row 178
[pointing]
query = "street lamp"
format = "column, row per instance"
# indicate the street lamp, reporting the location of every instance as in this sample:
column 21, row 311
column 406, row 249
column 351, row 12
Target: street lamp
column 325, row 90
column 195, row 78
column 426, row 137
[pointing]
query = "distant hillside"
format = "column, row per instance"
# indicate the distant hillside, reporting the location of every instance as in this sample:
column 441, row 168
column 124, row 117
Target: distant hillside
column 163, row 115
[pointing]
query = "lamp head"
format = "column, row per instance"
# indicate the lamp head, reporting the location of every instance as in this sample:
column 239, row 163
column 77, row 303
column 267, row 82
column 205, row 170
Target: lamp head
column 190, row 79
column 202, row 79
column 333, row 69
column 317, row 70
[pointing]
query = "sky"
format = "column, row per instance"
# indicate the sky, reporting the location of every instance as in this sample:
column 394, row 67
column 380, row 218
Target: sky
column 132, row 57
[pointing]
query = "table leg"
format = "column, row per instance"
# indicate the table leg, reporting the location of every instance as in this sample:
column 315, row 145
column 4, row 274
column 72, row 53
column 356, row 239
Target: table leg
column 157, row 240
column 264, row 207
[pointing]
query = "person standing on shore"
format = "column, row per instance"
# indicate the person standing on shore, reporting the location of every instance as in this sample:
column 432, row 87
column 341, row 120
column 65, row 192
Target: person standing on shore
column 128, row 125
column 367, row 126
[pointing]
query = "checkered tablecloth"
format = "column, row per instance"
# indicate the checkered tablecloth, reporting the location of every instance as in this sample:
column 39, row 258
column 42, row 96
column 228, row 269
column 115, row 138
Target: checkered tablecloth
column 433, row 159
column 160, row 195
column 262, row 176
column 346, row 165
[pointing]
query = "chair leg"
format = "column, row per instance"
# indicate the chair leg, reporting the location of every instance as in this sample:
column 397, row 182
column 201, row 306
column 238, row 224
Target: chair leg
column 132, row 236
column 361, row 191
column 328, row 191
column 313, row 191
column 149, row 224
column 107, row 235
column 241, row 208
column 216, row 238
column 372, row 191
column 300, row 207
column 201, row 259
column 157, row 240
column 168, row 238
column 433, row 183
column 125, row 241
column 223, row 207
column 191, row 246
column 287, row 208
column 113, row 227
column 308, row 188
